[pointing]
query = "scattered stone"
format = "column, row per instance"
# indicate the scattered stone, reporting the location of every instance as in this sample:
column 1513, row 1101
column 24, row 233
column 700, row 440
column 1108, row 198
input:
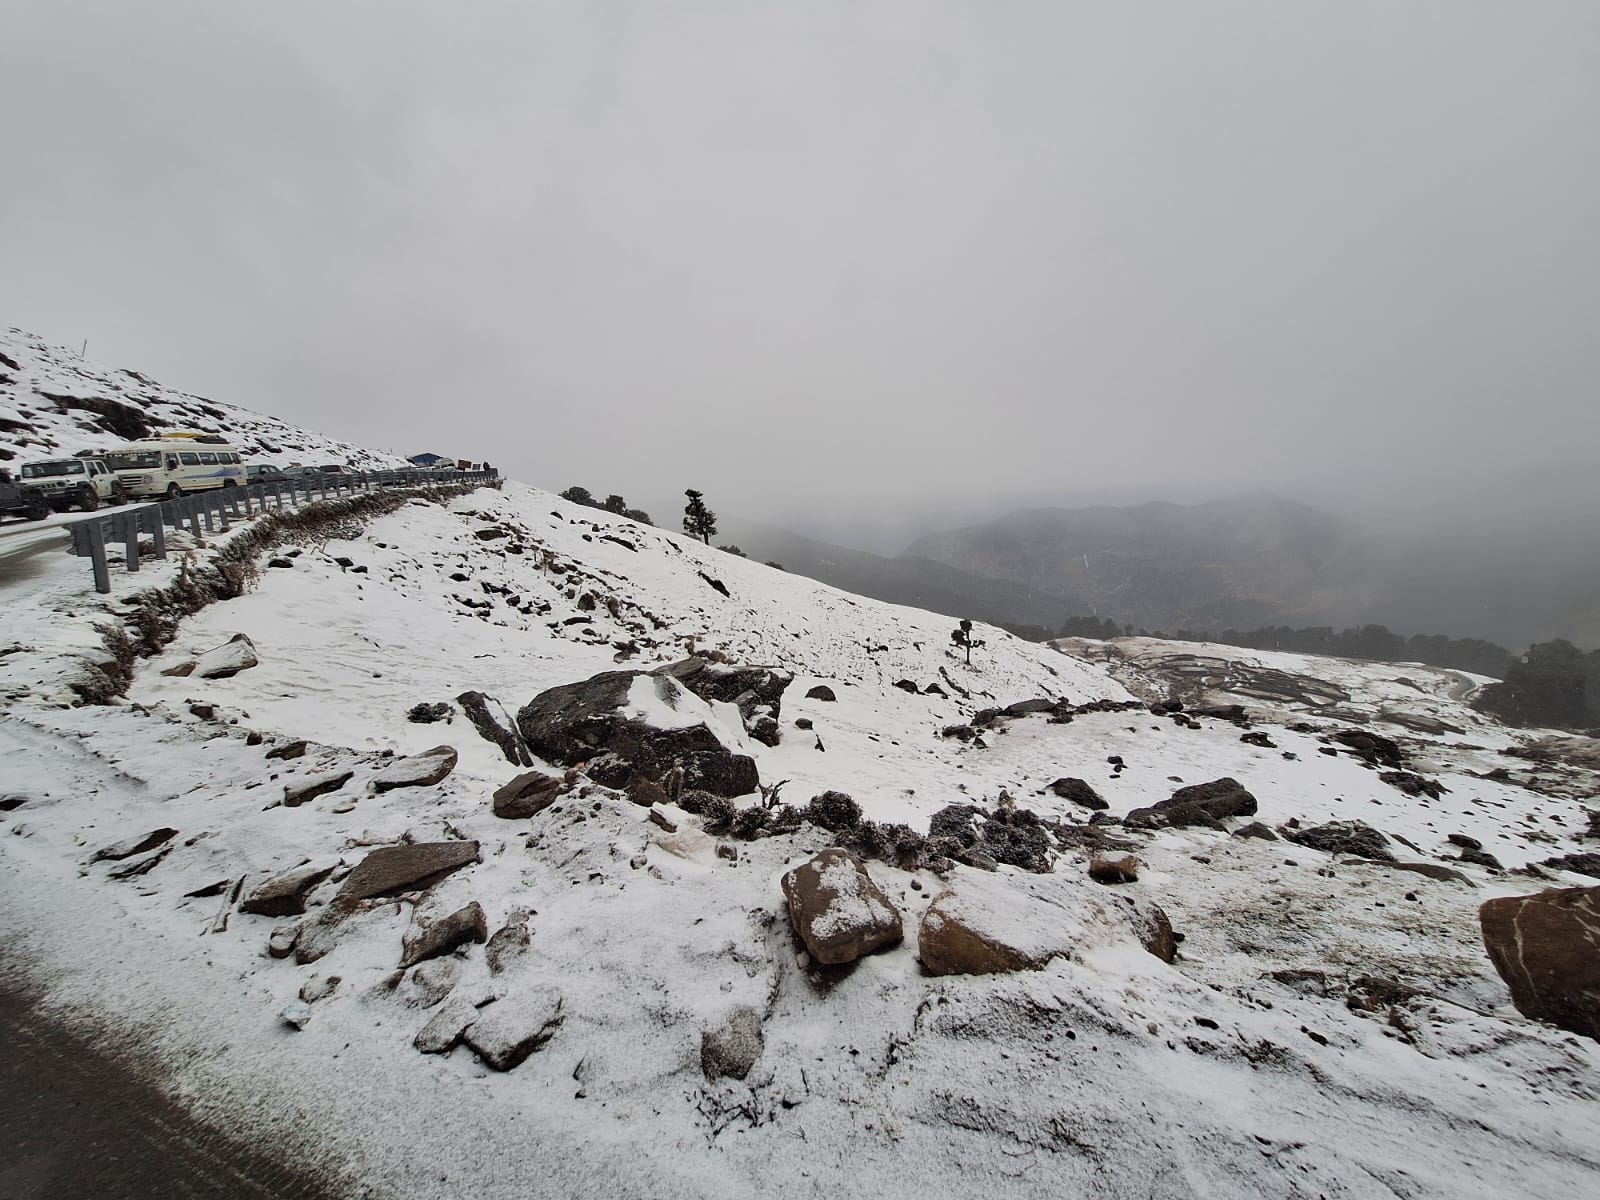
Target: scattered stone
column 1462, row 840
column 508, row 1031
column 288, row 750
column 285, row 895
column 227, row 660
column 319, row 987
column 837, row 910
column 821, row 692
column 204, row 711
column 1344, row 837
column 210, row 889
column 430, row 982
column 663, row 822
column 181, row 671
column 510, row 942
column 1255, row 830
column 1023, row 708
column 138, row 866
column 1480, row 858
column 1372, row 748
column 131, row 846
column 303, row 791
column 1579, row 864
column 280, row 942
column 528, row 795
column 802, row 723
column 296, row 1013
column 1544, row 948
column 1430, row 870
column 1078, row 792
column 1258, row 738
column 476, row 706
column 420, row 770
column 732, row 1048
column 905, row 685
column 1114, row 870
column 413, row 867
column 1414, row 785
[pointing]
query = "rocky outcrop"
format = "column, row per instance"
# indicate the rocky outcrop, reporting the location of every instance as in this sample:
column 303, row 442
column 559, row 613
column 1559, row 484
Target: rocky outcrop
column 731, row 1049
column 420, row 770
column 1343, row 837
column 389, row 870
column 1206, row 804
column 526, row 796
column 837, row 910
column 627, row 723
column 1544, row 947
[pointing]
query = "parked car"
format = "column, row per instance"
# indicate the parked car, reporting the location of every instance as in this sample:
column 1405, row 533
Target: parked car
column 21, row 500
column 81, row 483
column 262, row 473
column 167, row 467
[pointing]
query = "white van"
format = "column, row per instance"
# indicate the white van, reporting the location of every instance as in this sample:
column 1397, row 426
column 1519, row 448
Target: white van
column 168, row 466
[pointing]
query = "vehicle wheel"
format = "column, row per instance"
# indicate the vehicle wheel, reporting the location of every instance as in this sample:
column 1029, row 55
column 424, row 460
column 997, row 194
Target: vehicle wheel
column 174, row 492
column 38, row 508
column 228, row 483
column 87, row 500
column 118, row 496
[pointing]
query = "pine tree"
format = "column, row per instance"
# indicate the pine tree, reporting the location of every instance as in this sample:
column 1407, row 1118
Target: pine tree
column 698, row 520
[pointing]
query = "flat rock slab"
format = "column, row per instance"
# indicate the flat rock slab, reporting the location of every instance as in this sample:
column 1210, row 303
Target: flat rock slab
column 420, row 770
column 432, row 938
column 443, row 1031
column 235, row 655
column 1547, row 949
column 837, row 910
column 303, row 791
column 391, row 869
column 285, row 895
column 135, row 845
column 509, row 1030
column 982, row 926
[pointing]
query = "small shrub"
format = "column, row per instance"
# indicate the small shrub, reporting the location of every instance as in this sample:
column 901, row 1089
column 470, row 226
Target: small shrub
column 834, row 811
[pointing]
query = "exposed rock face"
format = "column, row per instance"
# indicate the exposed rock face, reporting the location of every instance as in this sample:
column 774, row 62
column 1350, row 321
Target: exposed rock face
column 1199, row 804
column 597, row 721
column 1343, row 837
column 285, row 895
column 527, row 795
column 980, row 926
column 732, row 1048
column 837, row 910
column 757, row 692
column 1544, row 947
column 391, row 869
column 1078, row 792
column 430, row 939
column 420, row 770
column 235, row 655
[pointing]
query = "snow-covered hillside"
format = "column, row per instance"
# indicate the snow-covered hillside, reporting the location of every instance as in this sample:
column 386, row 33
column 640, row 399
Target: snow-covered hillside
column 54, row 403
column 1329, row 1025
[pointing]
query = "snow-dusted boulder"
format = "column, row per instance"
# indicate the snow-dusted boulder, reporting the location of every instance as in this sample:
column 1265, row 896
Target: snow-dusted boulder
column 419, row 770
column 506, row 1032
column 837, row 909
column 1544, row 948
column 630, row 723
column 285, row 895
column 431, row 938
column 983, row 926
column 237, row 654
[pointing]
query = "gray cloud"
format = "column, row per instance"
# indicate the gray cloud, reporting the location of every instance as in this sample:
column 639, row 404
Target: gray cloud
column 955, row 253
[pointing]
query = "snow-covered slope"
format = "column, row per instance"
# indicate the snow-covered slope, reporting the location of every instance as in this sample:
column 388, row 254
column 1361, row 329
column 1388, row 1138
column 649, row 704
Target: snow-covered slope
column 1264, row 1060
column 54, row 403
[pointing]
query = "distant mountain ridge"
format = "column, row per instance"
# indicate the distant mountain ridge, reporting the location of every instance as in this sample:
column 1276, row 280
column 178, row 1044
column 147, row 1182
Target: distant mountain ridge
column 1239, row 561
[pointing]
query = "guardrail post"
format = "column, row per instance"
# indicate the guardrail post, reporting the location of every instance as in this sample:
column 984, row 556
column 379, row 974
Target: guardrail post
column 158, row 532
column 95, row 534
column 130, row 538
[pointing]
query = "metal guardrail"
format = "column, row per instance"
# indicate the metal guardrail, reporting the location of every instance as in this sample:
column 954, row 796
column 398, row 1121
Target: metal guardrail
column 213, row 509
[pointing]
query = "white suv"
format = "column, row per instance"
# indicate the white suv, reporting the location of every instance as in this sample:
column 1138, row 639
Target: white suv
column 74, row 482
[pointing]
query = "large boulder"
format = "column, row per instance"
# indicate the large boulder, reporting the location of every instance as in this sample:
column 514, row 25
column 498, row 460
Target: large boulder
column 1199, row 804
column 1078, row 792
column 754, row 691
column 983, row 926
column 528, row 795
column 222, row 662
column 1343, row 837
column 1544, row 947
column 837, row 910
column 506, row 1032
column 285, row 895
column 420, row 770
column 628, row 723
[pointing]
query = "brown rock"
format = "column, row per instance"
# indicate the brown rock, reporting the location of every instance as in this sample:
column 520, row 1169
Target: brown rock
column 305, row 790
column 983, row 926
column 132, row 846
column 506, row 1032
column 391, row 869
column 430, row 939
column 509, row 943
column 527, row 795
column 837, row 910
column 285, row 895
column 180, row 671
column 1114, row 870
column 288, row 750
column 1544, row 947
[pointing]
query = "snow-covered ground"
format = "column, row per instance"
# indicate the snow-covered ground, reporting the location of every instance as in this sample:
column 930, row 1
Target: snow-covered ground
column 1257, row 1063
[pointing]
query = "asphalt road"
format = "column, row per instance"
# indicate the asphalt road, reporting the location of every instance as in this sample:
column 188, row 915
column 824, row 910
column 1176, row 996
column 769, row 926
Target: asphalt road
column 76, row 1122
column 23, row 545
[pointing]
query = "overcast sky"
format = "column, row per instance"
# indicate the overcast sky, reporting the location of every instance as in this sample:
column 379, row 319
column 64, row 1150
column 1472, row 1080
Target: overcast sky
column 808, row 255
